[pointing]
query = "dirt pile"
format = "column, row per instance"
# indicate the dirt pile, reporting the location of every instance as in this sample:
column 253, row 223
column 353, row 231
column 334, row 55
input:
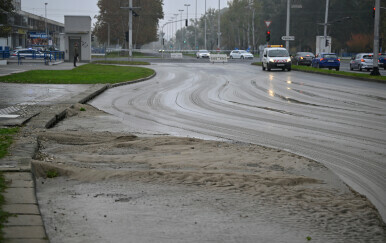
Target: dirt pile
column 299, row 192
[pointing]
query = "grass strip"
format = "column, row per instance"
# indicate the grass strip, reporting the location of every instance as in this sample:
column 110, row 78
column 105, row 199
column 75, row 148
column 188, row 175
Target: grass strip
column 120, row 62
column 123, row 54
column 6, row 137
column 85, row 74
column 342, row 74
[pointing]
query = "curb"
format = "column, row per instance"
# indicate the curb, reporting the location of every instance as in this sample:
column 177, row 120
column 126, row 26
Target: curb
column 332, row 74
column 342, row 76
column 26, row 223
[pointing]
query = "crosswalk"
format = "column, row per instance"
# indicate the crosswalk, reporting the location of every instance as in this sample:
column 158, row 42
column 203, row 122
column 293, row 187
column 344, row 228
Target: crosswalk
column 9, row 112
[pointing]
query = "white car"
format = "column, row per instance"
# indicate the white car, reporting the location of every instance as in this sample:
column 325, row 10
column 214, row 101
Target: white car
column 203, row 54
column 240, row 54
column 276, row 57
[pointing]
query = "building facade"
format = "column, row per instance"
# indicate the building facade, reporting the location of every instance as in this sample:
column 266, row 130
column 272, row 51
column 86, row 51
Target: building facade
column 30, row 30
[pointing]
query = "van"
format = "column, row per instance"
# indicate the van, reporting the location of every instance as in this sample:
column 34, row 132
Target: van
column 276, row 57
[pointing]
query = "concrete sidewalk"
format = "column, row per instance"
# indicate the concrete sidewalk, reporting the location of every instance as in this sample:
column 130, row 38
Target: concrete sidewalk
column 13, row 67
column 20, row 199
column 20, row 196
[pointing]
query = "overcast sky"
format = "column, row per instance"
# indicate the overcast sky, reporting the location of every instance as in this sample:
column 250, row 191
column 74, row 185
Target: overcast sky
column 56, row 9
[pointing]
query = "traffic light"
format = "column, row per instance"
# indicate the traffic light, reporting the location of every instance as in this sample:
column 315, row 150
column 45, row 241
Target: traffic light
column 374, row 12
column 186, row 22
column 163, row 41
column 327, row 42
column 127, row 35
column 268, row 36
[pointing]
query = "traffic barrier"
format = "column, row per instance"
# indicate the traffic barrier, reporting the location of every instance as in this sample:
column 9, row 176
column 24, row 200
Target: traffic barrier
column 218, row 58
column 176, row 55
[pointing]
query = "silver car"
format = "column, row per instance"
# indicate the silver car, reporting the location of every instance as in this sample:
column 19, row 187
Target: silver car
column 240, row 54
column 362, row 61
column 203, row 54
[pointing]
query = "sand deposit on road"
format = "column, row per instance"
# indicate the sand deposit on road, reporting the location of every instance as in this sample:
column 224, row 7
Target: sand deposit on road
column 121, row 187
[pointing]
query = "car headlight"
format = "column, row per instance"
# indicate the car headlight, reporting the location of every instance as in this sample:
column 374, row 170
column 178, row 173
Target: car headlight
column 270, row 59
column 288, row 59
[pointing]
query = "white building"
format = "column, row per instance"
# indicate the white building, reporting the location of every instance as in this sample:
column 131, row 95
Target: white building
column 77, row 33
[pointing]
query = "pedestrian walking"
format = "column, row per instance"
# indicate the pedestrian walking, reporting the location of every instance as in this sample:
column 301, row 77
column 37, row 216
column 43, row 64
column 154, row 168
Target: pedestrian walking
column 76, row 54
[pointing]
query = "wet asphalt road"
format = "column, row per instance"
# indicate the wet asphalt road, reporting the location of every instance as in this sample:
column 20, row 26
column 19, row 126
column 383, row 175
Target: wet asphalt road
column 339, row 122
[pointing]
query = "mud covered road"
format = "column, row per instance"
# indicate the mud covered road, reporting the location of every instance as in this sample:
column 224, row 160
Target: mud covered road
column 116, row 186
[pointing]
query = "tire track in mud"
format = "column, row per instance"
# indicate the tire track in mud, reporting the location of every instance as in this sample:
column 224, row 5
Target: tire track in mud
column 351, row 141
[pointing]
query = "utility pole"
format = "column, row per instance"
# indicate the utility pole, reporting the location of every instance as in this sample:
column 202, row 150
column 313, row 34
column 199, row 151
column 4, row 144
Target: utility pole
column 195, row 30
column 45, row 20
column 130, row 27
column 181, row 10
column 288, row 25
column 187, row 15
column 218, row 28
column 176, row 16
column 205, row 28
column 375, row 71
column 325, row 25
column 108, row 35
column 251, row 7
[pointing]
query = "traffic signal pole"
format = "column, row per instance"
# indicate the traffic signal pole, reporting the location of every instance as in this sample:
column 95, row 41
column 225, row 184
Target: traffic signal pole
column 375, row 71
column 288, row 25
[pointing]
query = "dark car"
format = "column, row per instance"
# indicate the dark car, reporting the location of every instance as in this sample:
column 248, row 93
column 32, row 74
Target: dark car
column 382, row 60
column 303, row 58
column 326, row 60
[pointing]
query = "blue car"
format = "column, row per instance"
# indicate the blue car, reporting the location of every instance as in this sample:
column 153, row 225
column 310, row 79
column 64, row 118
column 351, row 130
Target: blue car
column 326, row 60
column 382, row 60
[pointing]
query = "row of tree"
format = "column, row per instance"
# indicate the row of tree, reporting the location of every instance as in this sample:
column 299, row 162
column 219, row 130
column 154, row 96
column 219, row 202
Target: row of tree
column 6, row 9
column 112, row 21
column 350, row 24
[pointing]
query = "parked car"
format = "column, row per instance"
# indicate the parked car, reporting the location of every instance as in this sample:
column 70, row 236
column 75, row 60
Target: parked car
column 240, row 54
column 203, row 54
column 303, row 58
column 362, row 61
column 28, row 53
column 382, row 60
column 276, row 57
column 326, row 60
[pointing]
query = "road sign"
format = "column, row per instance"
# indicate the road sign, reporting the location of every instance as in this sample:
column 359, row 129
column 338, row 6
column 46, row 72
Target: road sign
column 268, row 23
column 289, row 38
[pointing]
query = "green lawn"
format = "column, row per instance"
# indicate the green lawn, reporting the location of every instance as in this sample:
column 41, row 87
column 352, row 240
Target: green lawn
column 123, row 54
column 366, row 76
column 120, row 62
column 85, row 74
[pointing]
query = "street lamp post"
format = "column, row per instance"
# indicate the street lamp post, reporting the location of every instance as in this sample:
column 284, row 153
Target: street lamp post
column 181, row 10
column 45, row 20
column 187, row 13
column 176, row 16
column 205, row 28
column 218, row 28
column 195, row 29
